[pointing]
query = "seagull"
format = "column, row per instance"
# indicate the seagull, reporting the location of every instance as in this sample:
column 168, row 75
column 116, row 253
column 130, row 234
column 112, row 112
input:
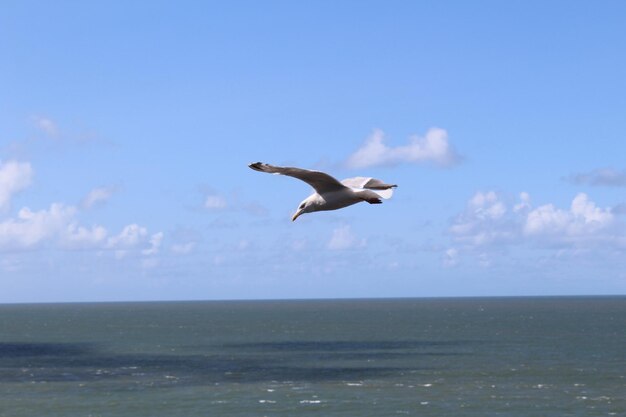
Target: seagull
column 331, row 194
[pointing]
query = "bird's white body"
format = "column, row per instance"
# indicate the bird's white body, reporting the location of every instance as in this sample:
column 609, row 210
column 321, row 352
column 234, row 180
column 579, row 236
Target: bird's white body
column 331, row 201
column 335, row 200
column 331, row 194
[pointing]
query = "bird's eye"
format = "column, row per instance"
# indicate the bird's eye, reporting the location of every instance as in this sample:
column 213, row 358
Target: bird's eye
column 301, row 206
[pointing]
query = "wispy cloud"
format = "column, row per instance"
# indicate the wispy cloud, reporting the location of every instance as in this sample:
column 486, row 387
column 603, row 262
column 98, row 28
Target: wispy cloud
column 607, row 177
column 51, row 134
column 184, row 240
column 97, row 196
column 215, row 202
column 182, row 248
column 343, row 238
column 619, row 209
column 451, row 258
column 230, row 202
column 433, row 147
column 14, row 177
column 47, row 126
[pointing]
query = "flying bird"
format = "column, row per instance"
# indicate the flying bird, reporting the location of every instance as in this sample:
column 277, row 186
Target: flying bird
column 331, row 194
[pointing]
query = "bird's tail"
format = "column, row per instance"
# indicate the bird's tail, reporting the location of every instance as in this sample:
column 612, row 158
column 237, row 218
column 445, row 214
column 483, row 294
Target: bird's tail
column 386, row 194
column 372, row 184
column 371, row 196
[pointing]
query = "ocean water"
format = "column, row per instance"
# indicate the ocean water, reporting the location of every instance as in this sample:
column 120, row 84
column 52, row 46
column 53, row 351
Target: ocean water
column 417, row 357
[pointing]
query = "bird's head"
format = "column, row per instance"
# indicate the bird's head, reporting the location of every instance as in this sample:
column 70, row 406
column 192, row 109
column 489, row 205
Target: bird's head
column 308, row 205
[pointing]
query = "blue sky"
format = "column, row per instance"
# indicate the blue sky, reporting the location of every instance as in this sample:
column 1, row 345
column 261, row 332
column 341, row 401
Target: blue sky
column 126, row 130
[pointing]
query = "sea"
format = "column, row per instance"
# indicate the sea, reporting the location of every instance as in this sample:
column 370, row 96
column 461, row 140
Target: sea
column 527, row 356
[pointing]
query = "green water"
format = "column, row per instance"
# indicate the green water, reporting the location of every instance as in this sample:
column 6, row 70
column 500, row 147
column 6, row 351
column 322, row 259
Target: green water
column 422, row 357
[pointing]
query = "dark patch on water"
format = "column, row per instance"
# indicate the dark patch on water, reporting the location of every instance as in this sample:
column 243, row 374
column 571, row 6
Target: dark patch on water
column 340, row 345
column 244, row 362
column 18, row 350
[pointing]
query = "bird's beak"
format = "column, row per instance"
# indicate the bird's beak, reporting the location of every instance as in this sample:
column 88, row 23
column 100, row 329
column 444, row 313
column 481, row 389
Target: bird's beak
column 296, row 215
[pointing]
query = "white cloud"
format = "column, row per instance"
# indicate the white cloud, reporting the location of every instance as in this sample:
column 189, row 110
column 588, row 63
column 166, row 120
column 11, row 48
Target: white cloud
column 14, row 177
column 133, row 236
column 97, row 196
column 433, row 147
column 484, row 221
column 524, row 203
column 79, row 237
column 31, row 228
column 487, row 206
column 130, row 236
column 487, row 222
column 343, row 238
column 58, row 226
column 583, row 218
column 155, row 244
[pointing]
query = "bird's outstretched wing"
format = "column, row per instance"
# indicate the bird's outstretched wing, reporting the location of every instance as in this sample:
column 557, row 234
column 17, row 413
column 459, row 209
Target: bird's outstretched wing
column 320, row 181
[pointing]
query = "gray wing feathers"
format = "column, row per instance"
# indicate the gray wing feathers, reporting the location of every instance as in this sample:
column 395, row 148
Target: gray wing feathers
column 320, row 181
